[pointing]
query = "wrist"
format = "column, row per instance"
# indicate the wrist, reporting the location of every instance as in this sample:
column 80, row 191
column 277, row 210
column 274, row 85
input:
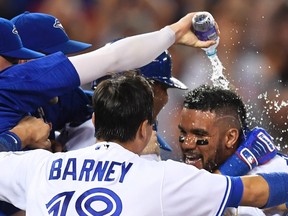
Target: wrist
column 9, row 141
column 171, row 33
column 234, row 166
column 22, row 135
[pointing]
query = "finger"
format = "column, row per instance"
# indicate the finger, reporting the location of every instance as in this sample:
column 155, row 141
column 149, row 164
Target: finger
column 205, row 44
column 46, row 144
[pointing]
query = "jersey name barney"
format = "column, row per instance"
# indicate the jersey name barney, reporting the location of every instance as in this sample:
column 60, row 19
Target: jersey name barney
column 88, row 170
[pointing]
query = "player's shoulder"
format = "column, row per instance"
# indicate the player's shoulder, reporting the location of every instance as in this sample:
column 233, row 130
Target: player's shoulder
column 178, row 169
column 277, row 164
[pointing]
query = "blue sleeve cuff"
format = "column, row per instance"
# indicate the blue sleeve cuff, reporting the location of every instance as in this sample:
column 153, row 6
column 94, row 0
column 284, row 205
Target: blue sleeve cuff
column 10, row 142
column 236, row 192
column 278, row 188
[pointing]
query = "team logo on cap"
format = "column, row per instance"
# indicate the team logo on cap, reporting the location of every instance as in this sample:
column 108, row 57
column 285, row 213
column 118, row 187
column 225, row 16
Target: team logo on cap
column 57, row 24
column 14, row 31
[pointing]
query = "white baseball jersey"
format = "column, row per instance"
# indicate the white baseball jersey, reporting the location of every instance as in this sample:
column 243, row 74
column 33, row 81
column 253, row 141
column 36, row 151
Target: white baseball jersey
column 106, row 179
column 277, row 164
column 77, row 137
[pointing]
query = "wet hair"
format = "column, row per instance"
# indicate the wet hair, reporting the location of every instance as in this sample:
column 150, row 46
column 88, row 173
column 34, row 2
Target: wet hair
column 121, row 103
column 216, row 99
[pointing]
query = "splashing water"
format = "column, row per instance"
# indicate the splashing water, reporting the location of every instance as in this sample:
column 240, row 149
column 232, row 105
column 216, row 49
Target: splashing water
column 218, row 79
column 273, row 104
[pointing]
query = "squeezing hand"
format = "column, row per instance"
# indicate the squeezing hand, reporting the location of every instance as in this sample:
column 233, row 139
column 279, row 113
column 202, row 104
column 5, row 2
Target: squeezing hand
column 257, row 149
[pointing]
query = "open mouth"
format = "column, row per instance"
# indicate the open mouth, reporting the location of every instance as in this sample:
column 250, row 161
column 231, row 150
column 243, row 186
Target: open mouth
column 193, row 159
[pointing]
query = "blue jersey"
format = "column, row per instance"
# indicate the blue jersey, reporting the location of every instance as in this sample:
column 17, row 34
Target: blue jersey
column 25, row 87
column 73, row 107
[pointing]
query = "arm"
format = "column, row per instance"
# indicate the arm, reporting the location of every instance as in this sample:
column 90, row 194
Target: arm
column 32, row 132
column 256, row 191
column 136, row 51
column 265, row 190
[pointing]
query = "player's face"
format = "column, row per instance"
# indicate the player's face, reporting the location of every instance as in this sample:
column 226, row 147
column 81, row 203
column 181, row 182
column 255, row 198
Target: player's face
column 198, row 128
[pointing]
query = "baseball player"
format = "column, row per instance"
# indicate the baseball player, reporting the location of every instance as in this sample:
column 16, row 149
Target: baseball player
column 109, row 177
column 44, row 33
column 11, row 51
column 212, row 127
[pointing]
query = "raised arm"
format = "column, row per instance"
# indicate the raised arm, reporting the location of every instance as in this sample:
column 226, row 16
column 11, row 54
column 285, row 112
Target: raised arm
column 135, row 51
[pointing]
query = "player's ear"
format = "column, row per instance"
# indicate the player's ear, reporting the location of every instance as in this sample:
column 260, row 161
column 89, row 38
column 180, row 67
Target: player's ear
column 145, row 131
column 231, row 138
column 93, row 118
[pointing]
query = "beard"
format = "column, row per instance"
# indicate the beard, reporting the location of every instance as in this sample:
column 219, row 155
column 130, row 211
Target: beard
column 213, row 164
column 210, row 166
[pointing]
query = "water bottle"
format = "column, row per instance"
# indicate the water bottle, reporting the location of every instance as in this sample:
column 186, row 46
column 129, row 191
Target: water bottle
column 204, row 28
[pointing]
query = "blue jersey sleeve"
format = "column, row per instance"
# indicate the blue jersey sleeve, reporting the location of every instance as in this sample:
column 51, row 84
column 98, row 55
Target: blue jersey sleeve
column 25, row 87
column 32, row 84
column 236, row 192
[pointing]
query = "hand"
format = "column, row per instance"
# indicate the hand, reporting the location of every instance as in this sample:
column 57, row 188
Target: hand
column 33, row 132
column 257, row 149
column 261, row 145
column 152, row 147
column 185, row 36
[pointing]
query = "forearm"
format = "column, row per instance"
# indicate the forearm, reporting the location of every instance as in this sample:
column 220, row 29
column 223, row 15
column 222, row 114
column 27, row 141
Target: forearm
column 266, row 190
column 256, row 191
column 128, row 53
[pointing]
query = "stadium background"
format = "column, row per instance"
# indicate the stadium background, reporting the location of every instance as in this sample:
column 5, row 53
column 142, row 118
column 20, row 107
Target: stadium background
column 253, row 48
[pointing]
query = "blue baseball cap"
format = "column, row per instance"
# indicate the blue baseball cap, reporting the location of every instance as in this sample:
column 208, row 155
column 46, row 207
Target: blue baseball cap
column 160, row 69
column 11, row 44
column 44, row 33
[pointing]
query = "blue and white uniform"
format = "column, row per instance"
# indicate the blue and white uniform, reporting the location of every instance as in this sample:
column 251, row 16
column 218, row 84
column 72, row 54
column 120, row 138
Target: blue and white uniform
column 109, row 180
column 278, row 164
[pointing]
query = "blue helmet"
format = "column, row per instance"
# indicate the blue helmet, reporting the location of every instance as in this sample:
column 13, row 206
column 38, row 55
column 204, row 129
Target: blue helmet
column 160, row 69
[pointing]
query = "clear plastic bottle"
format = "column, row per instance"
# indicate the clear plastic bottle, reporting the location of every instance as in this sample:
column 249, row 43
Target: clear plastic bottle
column 204, row 28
